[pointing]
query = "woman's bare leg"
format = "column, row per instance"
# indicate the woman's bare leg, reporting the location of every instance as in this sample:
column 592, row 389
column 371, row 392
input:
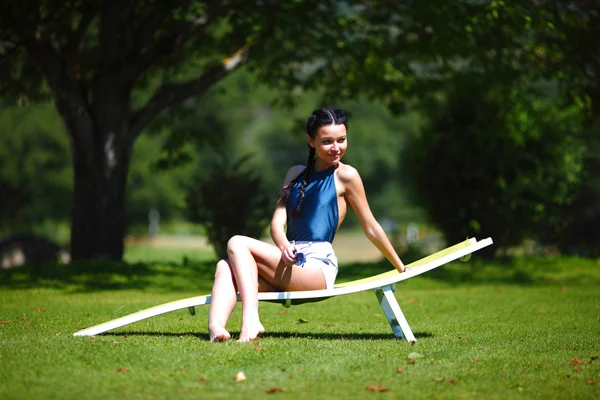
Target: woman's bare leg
column 222, row 302
column 257, row 265
column 245, row 271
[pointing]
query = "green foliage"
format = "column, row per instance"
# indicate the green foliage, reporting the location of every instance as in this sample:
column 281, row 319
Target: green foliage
column 35, row 168
column 152, row 188
column 116, row 74
column 496, row 162
column 579, row 233
column 229, row 200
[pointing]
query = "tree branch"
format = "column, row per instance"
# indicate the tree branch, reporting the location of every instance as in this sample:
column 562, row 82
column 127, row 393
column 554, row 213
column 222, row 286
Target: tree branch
column 177, row 36
column 171, row 94
column 165, row 46
column 74, row 39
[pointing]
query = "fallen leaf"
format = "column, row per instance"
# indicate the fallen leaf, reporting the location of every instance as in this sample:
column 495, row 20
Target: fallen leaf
column 203, row 379
column 399, row 370
column 93, row 340
column 591, row 382
column 282, row 313
column 411, row 300
column 274, row 390
column 5, row 321
column 430, row 363
column 379, row 355
column 41, row 309
column 258, row 349
column 302, row 321
column 474, row 360
column 377, row 388
column 183, row 367
column 575, row 361
column 240, row 377
column 122, row 369
column 577, row 369
column 410, row 361
column 58, row 334
column 450, row 381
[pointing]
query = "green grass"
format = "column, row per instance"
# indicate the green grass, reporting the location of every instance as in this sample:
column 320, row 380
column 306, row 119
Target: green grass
column 494, row 330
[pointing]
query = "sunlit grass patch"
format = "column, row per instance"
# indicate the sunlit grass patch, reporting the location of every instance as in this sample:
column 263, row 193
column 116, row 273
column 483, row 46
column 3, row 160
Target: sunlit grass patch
column 524, row 328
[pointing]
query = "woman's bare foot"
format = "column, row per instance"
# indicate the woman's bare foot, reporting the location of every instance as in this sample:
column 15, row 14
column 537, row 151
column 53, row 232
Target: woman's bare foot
column 218, row 333
column 252, row 332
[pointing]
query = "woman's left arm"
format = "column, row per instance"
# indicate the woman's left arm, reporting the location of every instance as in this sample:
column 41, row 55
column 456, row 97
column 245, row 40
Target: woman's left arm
column 357, row 198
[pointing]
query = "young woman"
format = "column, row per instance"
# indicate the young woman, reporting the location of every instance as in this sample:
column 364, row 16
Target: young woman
column 312, row 205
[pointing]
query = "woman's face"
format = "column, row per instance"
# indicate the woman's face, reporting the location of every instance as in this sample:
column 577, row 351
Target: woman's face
column 329, row 144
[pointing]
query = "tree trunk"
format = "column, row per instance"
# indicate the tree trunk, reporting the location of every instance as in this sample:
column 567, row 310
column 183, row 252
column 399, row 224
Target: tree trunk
column 98, row 213
column 100, row 168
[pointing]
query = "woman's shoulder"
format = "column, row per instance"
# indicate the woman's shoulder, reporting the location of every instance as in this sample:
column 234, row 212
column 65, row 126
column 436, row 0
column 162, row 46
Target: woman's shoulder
column 347, row 173
column 292, row 173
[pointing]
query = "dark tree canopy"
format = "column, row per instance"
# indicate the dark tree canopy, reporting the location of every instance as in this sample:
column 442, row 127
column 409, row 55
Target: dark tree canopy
column 111, row 67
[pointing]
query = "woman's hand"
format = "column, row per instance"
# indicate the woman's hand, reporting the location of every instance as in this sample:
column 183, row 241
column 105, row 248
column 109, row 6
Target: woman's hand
column 288, row 253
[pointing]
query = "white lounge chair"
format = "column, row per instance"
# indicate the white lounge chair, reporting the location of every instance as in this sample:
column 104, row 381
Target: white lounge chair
column 383, row 284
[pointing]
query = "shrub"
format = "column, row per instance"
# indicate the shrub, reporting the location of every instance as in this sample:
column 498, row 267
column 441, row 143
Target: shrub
column 496, row 162
column 229, row 200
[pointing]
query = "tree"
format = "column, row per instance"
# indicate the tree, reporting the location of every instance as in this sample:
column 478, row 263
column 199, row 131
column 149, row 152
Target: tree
column 98, row 60
column 229, row 200
column 509, row 157
column 111, row 67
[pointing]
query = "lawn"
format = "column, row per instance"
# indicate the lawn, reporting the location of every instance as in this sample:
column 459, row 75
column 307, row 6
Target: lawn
column 524, row 328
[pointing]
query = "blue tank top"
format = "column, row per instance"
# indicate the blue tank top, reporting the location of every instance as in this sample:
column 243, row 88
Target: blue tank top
column 319, row 216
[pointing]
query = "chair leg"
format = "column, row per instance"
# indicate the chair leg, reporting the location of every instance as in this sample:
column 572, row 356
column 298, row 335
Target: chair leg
column 393, row 313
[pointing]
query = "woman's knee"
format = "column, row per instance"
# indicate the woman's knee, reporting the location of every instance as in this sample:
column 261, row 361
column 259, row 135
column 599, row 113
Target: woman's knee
column 236, row 243
column 222, row 267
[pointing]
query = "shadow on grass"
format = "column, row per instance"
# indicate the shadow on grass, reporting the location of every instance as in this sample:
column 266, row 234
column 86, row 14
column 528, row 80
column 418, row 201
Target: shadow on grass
column 197, row 276
column 524, row 271
column 103, row 275
column 281, row 335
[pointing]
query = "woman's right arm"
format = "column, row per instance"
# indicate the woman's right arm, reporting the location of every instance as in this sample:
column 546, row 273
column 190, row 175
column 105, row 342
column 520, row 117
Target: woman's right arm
column 279, row 220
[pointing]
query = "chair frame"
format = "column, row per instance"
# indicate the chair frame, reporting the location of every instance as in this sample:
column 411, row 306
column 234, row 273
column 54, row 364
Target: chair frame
column 384, row 286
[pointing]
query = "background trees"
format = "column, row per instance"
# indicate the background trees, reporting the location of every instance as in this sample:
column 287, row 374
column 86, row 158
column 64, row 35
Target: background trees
column 498, row 161
column 117, row 70
column 111, row 67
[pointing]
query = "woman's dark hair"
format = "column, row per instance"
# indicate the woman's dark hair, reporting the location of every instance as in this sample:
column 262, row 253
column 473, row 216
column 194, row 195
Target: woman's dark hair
column 318, row 118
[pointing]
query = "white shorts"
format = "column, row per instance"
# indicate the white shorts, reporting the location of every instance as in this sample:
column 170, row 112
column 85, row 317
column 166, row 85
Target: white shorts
column 321, row 255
